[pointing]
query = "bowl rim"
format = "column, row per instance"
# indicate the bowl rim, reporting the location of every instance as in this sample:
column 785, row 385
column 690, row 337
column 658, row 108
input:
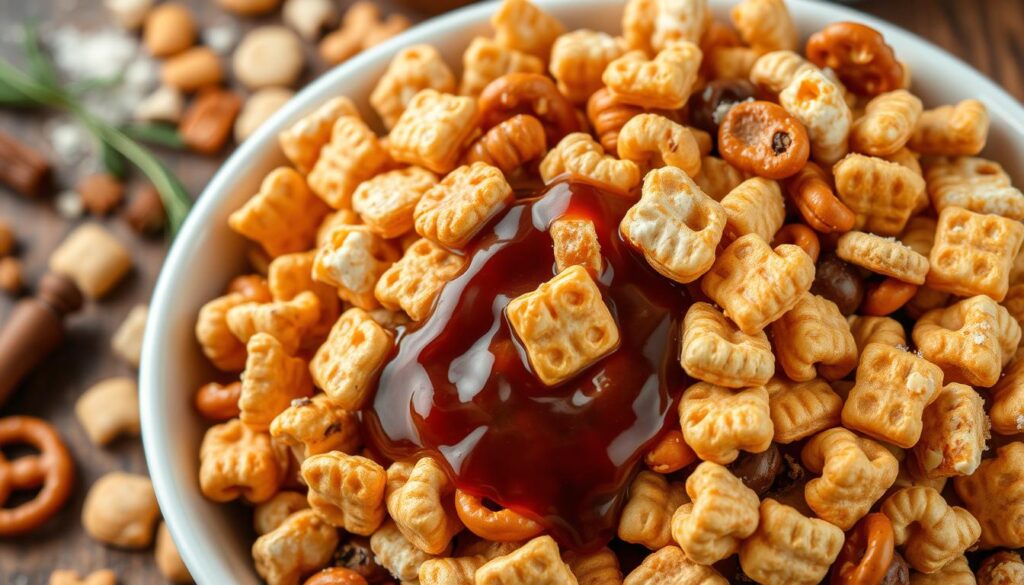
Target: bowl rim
column 195, row 550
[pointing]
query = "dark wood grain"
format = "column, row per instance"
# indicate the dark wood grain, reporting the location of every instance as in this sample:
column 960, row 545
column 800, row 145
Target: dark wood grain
column 988, row 34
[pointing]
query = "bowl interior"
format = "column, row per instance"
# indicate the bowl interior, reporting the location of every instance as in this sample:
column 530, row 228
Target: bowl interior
column 214, row 540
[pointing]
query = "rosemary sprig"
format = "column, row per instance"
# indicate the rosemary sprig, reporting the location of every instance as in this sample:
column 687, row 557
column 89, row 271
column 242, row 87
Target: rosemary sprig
column 40, row 87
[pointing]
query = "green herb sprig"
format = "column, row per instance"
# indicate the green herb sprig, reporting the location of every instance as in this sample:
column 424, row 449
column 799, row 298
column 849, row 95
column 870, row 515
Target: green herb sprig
column 39, row 86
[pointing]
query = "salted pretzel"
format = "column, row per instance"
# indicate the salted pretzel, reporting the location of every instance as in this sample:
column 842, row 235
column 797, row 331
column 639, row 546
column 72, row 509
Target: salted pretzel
column 51, row 470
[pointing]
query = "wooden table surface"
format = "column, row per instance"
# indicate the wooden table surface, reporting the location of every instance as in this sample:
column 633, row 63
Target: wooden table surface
column 988, row 34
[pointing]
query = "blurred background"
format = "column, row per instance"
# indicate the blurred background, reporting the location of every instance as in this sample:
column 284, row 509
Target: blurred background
column 256, row 53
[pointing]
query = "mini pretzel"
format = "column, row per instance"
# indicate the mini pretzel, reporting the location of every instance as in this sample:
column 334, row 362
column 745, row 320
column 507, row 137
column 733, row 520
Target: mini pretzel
column 52, row 469
column 867, row 552
column 503, row 526
column 859, row 56
column 528, row 93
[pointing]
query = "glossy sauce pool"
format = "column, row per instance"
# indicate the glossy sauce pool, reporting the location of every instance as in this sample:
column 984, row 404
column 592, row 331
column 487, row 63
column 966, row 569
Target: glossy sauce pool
column 459, row 386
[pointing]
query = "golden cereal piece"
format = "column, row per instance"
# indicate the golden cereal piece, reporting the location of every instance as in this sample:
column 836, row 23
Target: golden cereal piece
column 353, row 155
column 855, row 473
column 814, row 339
column 714, row 350
column 971, row 340
column 596, row 568
column 652, row 25
column 1006, row 406
column 866, row 330
column 520, row 25
column 817, row 102
column 120, row 509
column 271, row 380
column 664, row 82
column 723, row 513
column 433, row 130
column 892, row 390
column 755, row 284
column 450, row 570
column 647, row 516
column 564, row 325
column 959, row 130
column 453, row 211
column 283, row 217
column 976, row 184
column 311, row 426
column 919, row 234
column 788, row 548
column 669, row 566
column 954, row 434
column 398, row 555
column 578, row 154
column 69, row 577
column 485, row 60
column 411, row 70
column 218, row 343
column 1002, row 568
column 333, row 220
column 386, row 202
column 775, row 70
column 348, row 361
column 535, row 563
column 509, row 145
column 92, row 257
column 346, row 490
column 236, row 461
column 886, row 256
column 302, row 141
column 800, row 409
column 287, row 321
column 755, row 206
column 973, row 253
column 652, row 141
column 675, row 225
column 729, row 62
column 718, row 422
column 994, row 494
column 765, row 25
column 301, row 545
column 882, row 194
column 931, row 532
column 575, row 242
column 420, row 499
column 412, row 283
column 955, row 572
column 578, row 59
column 717, row 177
column 353, row 260
column 290, row 275
column 887, row 124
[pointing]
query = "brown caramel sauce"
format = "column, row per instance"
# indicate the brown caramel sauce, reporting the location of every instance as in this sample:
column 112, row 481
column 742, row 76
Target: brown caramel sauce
column 459, row 387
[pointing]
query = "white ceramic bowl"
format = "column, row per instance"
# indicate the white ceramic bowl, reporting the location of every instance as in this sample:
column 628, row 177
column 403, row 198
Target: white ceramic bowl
column 214, row 540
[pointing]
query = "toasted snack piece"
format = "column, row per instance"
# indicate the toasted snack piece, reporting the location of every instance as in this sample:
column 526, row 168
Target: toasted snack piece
column 789, row 548
column 755, row 284
column 522, row 26
column 300, row 545
column 959, row 130
column 236, row 461
column 451, row 212
column 311, row 426
column 975, row 184
column 887, row 124
column 954, row 434
column 535, row 563
column 218, row 343
column 664, row 82
column 892, row 390
column 412, row 283
column 290, row 275
column 755, row 206
column 353, row 260
column 883, row 255
column 868, row 329
column 302, row 141
column 775, row 70
column 353, row 155
column 271, row 380
column 579, row 155
column 974, row 253
column 420, row 501
column 600, row 567
column 578, row 58
column 765, row 25
column 575, row 242
column 717, row 177
column 346, row 490
column 564, row 325
column 486, row 60
column 814, row 339
column 715, row 351
column 800, row 409
column 882, row 194
column 971, row 340
column 718, row 422
column 347, row 362
column 722, row 514
column 994, row 495
column 931, row 532
column 1002, row 568
column 919, row 234
column 1006, row 406
column 647, row 516
column 289, row 322
column 121, row 510
column 450, row 570
column 433, row 130
column 283, row 217
column 652, row 141
column 675, row 225
column 669, row 566
column 396, row 554
column 652, row 26
column 817, row 102
column 386, row 202
column 411, row 70
column 955, row 572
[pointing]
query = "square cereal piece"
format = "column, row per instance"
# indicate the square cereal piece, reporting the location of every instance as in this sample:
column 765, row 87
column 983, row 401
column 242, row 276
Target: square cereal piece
column 535, row 563
column 520, row 25
column 412, row 283
column 433, row 130
column 814, row 339
column 412, row 69
column 971, row 340
column 485, row 60
column 287, row 321
column 353, row 260
column 801, row 409
column 579, row 58
column 973, row 253
column 453, row 211
column 882, row 194
column 664, row 82
column 954, row 434
column 575, row 242
column 386, row 202
column 564, row 325
column 892, row 390
column 347, row 362
column 755, row 284
column 93, row 258
column 290, row 275
column 976, row 184
column 302, row 141
column 311, row 426
column 271, row 380
column 714, row 350
column 283, row 217
column 674, row 225
column 353, row 155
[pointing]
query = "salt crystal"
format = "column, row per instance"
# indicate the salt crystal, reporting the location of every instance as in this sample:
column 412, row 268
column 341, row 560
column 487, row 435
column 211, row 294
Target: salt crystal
column 69, row 204
column 978, row 338
column 1020, row 422
column 71, row 142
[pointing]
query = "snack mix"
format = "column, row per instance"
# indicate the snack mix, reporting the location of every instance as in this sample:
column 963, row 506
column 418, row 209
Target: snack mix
column 696, row 303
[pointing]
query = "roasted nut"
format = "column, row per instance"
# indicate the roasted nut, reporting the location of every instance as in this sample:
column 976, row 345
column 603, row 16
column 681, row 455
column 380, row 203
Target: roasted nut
column 994, row 496
column 647, row 516
column 192, row 70
column 821, row 209
column 762, row 138
column 804, row 238
column 510, row 144
column 169, row 28
column 867, row 554
column 258, row 108
column 788, row 548
column 121, row 510
column 217, row 402
column 887, row 296
column 100, row 193
column 670, row 454
column 715, row 351
column 608, row 114
column 717, row 422
column 11, row 279
column 723, row 513
column 528, row 93
column 931, row 532
column 168, row 561
column 302, row 544
column 800, row 409
column 502, row 526
column 859, row 56
column 249, row 7
column 335, row 576
column 145, row 210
